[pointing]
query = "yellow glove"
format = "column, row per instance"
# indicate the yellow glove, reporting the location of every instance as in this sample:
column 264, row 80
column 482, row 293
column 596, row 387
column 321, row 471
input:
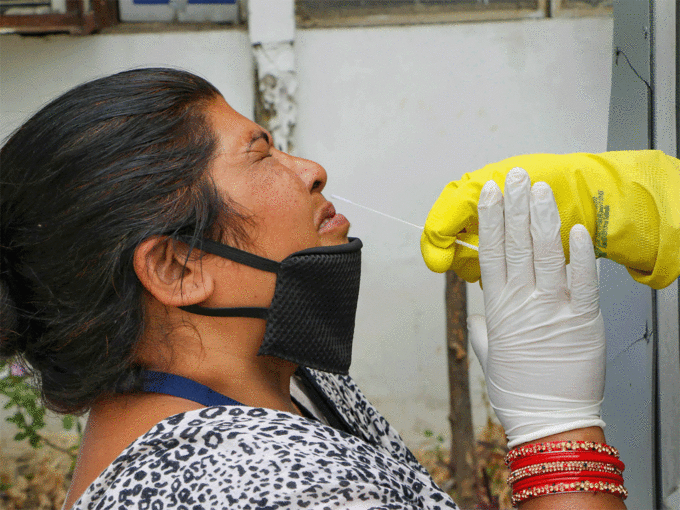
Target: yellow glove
column 629, row 201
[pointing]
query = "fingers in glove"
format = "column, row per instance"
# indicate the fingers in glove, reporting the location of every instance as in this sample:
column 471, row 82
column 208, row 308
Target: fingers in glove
column 465, row 260
column 451, row 213
column 518, row 246
column 437, row 259
column 479, row 340
column 549, row 265
column 584, row 284
column 491, row 239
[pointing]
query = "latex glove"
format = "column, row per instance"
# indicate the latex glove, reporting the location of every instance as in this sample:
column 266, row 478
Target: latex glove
column 544, row 357
column 629, row 201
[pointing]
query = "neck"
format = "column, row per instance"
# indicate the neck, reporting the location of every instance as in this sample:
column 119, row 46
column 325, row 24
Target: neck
column 220, row 353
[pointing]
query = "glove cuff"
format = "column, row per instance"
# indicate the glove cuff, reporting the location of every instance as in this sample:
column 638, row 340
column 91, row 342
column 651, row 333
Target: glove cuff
column 525, row 426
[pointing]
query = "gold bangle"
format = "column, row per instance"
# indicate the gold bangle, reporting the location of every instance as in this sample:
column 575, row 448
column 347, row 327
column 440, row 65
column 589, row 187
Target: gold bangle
column 561, row 488
column 559, row 446
column 554, row 467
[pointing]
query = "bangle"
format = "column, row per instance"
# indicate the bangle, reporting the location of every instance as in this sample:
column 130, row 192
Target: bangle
column 567, row 457
column 559, row 466
column 564, row 466
column 568, row 476
column 559, row 446
column 575, row 484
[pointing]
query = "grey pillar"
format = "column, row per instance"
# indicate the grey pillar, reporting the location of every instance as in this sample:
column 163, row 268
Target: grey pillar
column 642, row 398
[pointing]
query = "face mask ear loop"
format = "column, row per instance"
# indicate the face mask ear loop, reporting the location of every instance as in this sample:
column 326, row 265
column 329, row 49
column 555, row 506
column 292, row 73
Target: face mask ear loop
column 240, row 257
column 254, row 312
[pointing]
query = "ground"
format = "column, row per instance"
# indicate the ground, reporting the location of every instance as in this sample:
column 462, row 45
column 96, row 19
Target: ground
column 489, row 489
column 36, row 480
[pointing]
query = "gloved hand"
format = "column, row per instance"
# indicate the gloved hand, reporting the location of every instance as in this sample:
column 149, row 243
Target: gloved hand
column 544, row 357
column 629, row 201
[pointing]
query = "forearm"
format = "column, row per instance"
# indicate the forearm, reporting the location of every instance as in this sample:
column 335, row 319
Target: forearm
column 574, row 501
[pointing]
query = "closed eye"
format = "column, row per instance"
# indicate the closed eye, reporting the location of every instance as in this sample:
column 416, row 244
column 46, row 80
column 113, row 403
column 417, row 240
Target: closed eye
column 259, row 135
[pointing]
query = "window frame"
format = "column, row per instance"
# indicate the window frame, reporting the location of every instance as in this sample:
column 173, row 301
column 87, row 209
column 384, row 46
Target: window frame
column 416, row 14
column 81, row 17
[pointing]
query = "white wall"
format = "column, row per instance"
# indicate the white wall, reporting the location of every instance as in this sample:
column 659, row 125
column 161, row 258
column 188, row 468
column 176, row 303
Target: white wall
column 34, row 70
column 393, row 114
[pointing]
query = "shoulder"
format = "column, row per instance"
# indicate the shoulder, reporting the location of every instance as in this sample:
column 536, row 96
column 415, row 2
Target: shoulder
column 237, row 457
column 358, row 411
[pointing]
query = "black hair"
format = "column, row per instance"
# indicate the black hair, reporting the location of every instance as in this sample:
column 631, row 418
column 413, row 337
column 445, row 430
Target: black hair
column 105, row 166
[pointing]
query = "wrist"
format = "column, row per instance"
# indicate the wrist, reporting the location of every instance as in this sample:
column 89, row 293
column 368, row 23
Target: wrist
column 547, row 469
column 595, row 434
column 561, row 427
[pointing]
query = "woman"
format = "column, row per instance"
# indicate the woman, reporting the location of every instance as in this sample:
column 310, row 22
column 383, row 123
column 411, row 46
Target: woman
column 132, row 207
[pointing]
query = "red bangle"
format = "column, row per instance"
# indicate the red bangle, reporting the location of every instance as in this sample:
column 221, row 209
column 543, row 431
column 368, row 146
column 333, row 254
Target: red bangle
column 564, row 466
column 566, row 456
column 566, row 477
column 558, row 467
column 559, row 446
column 571, row 486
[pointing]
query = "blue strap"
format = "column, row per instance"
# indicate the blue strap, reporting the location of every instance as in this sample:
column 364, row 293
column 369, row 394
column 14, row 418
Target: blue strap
column 178, row 386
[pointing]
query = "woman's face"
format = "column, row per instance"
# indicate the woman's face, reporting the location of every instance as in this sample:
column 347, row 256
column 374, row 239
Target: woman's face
column 282, row 193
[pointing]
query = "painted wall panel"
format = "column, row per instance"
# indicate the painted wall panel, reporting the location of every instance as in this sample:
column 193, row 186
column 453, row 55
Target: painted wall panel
column 33, row 70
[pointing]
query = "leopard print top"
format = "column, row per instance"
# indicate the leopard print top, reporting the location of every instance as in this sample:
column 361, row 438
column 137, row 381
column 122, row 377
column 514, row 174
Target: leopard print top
column 246, row 458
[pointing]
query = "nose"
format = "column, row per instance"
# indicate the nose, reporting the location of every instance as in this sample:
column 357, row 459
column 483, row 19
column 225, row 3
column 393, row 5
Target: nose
column 312, row 174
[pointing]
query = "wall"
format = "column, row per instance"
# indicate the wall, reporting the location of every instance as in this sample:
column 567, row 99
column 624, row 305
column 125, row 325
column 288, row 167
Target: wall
column 396, row 113
column 393, row 114
column 34, row 70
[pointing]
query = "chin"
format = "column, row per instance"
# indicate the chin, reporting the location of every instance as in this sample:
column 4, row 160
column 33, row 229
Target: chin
column 334, row 241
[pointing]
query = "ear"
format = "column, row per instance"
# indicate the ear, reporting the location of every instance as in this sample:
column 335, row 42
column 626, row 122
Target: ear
column 173, row 278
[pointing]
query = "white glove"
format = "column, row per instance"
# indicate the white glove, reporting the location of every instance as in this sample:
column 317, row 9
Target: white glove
column 544, row 359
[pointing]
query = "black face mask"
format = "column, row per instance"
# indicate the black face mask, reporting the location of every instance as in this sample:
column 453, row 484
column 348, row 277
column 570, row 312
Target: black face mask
column 311, row 318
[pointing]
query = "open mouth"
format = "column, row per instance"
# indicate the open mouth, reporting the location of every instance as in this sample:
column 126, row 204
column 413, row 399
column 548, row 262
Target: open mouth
column 325, row 222
column 327, row 214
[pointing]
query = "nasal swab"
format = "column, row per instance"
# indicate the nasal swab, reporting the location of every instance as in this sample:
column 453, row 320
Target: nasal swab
column 378, row 212
column 467, row 245
column 463, row 243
